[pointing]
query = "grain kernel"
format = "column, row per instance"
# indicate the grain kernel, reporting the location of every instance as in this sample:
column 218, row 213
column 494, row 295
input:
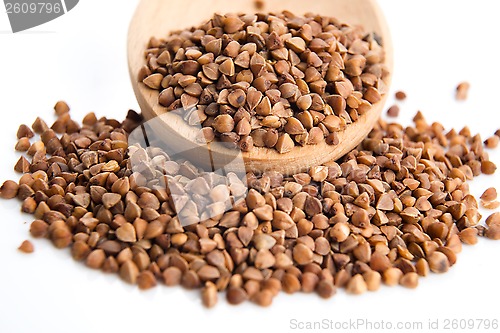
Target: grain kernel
column 400, row 95
column 209, row 295
column 462, row 91
column 356, row 285
column 489, row 195
column 26, row 247
column 493, row 219
column 438, row 262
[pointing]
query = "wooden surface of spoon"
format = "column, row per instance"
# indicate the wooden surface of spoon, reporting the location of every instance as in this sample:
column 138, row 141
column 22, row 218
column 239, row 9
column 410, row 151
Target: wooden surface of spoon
column 158, row 17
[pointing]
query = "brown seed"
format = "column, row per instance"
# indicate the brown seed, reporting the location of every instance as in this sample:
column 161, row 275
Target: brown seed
column 488, row 167
column 302, row 254
column 274, row 41
column 39, row 229
column 190, row 280
column 26, row 247
column 363, row 252
column 322, row 246
column 462, row 91
column 400, row 95
column 80, row 250
column 438, row 262
column 126, row 233
column 95, row 259
column 422, row 267
column 39, row 126
column 360, row 218
column 110, row 199
column 356, row 285
column 284, row 144
column 355, row 65
column 22, row 165
column 273, row 285
column 409, row 280
column 29, row 205
column 288, row 90
column 291, row 283
column 223, row 123
column 344, row 88
column 263, row 241
column 489, row 195
column 468, row 236
column 304, row 103
column 237, row 98
column 263, row 298
column 166, row 97
column 490, row 204
column 372, row 95
column 452, row 257
column 318, row 173
column 154, row 229
column 110, row 265
column 61, row 108
column 297, row 44
column 208, row 272
column 24, row 132
column 493, row 219
column 492, row 142
column 333, row 123
column 259, row 4
column 153, row 81
column 129, row 272
column 90, row 119
column 264, row 259
column 36, row 147
column 243, row 60
column 236, row 296
column 309, row 281
column 294, row 126
column 493, row 232
column 270, row 138
column 61, row 237
column 209, row 295
column 172, row 276
column 385, row 202
column 271, row 121
column 393, row 111
column 227, row 67
column 340, row 232
column 23, row 144
column 326, row 289
column 205, row 135
column 264, row 213
column 232, row 24
column 211, row 71
column 246, row 143
column 372, row 279
column 146, row 280
column 264, row 107
column 281, row 220
column 111, row 166
column 392, row 276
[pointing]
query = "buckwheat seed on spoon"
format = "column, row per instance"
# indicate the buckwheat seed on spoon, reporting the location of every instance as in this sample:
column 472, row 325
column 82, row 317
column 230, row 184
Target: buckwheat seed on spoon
column 297, row 79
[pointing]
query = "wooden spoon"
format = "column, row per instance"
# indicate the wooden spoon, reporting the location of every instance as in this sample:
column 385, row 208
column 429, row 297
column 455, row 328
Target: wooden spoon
column 158, row 17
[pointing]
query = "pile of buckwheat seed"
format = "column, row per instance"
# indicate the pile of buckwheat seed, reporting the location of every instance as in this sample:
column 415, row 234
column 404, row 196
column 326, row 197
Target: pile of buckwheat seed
column 391, row 211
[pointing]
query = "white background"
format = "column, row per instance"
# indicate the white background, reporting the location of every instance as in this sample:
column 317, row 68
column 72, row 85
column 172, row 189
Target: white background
column 81, row 57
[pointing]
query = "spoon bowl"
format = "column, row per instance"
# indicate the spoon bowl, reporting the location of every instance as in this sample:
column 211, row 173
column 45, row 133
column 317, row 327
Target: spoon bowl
column 158, row 17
